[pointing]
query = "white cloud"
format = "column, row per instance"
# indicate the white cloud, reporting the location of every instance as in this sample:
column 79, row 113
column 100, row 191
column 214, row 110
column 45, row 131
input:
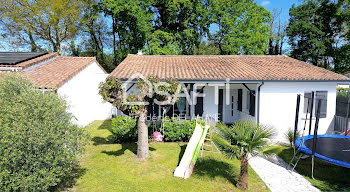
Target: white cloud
column 264, row 3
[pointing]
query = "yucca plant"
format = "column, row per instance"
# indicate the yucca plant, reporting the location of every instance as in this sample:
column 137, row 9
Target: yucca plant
column 289, row 135
column 240, row 140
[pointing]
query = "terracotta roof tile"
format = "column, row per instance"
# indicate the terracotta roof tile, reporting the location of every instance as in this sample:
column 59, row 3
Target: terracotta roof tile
column 57, row 72
column 239, row 67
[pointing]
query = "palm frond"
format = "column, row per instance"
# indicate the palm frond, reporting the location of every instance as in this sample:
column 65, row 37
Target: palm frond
column 272, row 150
column 225, row 146
column 225, row 131
column 243, row 137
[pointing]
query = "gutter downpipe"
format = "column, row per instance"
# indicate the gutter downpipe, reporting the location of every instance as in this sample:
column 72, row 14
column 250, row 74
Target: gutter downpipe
column 258, row 104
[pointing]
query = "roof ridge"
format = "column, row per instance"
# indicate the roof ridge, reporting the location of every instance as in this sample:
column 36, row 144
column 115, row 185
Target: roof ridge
column 77, row 57
column 201, row 67
column 206, row 55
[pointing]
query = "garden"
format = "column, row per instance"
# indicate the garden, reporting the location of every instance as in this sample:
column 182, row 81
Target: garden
column 108, row 166
column 50, row 153
column 327, row 177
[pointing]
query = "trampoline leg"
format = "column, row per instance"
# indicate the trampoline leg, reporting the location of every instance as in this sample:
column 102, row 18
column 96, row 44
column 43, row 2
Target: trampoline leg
column 312, row 167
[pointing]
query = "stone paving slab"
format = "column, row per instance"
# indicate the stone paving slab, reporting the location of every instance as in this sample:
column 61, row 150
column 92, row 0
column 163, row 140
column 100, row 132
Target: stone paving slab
column 277, row 177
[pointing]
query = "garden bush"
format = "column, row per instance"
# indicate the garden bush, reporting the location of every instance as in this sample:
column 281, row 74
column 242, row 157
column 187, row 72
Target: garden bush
column 39, row 145
column 124, row 129
column 176, row 130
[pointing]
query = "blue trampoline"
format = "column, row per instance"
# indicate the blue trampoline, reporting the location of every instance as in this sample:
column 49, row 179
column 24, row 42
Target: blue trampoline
column 334, row 149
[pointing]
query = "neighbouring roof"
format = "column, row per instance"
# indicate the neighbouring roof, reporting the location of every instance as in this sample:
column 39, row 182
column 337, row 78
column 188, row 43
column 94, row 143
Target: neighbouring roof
column 25, row 63
column 12, row 58
column 238, row 67
column 55, row 73
column 50, row 70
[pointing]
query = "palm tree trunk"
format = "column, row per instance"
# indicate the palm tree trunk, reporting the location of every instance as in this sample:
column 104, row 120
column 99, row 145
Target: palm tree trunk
column 243, row 176
column 142, row 143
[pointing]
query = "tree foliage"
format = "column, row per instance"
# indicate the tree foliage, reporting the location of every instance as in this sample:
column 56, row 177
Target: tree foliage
column 242, row 27
column 131, row 25
column 38, row 143
column 313, row 29
column 135, row 104
column 51, row 21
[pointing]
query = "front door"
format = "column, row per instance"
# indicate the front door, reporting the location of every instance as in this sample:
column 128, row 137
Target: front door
column 221, row 104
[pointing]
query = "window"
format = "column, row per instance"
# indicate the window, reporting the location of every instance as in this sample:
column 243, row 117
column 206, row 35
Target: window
column 252, row 103
column 239, row 101
column 319, row 95
column 232, row 106
column 248, row 100
column 198, row 109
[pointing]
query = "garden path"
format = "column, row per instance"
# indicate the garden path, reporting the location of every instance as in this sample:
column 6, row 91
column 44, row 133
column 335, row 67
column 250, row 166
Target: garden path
column 277, row 177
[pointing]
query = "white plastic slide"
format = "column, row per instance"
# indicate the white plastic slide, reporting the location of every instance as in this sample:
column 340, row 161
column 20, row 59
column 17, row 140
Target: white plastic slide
column 185, row 168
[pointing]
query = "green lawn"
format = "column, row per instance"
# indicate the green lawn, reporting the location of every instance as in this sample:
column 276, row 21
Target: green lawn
column 328, row 177
column 113, row 167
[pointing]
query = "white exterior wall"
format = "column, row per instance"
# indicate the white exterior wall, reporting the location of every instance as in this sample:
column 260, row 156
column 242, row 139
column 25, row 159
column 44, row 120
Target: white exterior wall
column 278, row 105
column 210, row 104
column 210, row 109
column 83, row 99
column 237, row 115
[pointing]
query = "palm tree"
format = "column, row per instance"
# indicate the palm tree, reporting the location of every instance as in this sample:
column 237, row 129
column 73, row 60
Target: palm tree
column 241, row 139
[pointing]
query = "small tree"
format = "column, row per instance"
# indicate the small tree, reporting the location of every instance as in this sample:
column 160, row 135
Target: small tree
column 39, row 145
column 135, row 105
column 240, row 140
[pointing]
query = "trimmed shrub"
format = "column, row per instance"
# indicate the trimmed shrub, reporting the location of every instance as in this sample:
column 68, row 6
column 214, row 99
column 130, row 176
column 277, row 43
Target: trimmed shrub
column 39, row 145
column 124, row 129
column 176, row 130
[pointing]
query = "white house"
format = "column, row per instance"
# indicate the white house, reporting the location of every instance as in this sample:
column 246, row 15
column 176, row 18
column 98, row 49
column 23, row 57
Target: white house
column 261, row 88
column 76, row 79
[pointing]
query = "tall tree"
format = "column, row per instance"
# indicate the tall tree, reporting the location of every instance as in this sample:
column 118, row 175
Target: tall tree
column 131, row 25
column 52, row 21
column 277, row 33
column 312, row 30
column 112, row 91
column 342, row 59
column 183, row 21
column 242, row 26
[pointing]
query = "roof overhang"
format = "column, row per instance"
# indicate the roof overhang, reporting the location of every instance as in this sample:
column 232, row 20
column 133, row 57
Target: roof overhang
column 248, row 81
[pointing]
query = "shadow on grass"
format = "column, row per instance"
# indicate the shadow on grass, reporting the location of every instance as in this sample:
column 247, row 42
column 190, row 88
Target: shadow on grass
column 69, row 181
column 328, row 177
column 107, row 124
column 125, row 146
column 103, row 140
column 182, row 151
column 212, row 168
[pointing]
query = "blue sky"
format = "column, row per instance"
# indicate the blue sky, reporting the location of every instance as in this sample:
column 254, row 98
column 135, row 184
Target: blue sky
column 278, row 4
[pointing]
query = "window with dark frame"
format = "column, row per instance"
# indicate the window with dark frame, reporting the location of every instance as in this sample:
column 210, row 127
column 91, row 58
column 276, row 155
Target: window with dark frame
column 232, row 106
column 239, row 101
column 319, row 95
column 252, row 103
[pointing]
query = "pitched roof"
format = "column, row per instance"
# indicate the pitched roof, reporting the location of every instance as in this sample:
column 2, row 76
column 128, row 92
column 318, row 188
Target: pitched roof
column 238, row 67
column 55, row 73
